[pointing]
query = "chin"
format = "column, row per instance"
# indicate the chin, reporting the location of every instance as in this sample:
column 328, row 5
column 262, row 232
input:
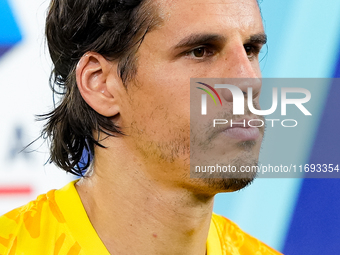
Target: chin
column 217, row 181
column 220, row 185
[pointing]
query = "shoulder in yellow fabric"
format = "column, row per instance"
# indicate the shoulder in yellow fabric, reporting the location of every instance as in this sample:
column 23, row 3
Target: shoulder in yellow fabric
column 56, row 223
column 36, row 228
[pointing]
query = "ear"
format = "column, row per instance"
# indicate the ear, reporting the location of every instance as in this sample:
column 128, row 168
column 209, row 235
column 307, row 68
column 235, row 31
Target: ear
column 98, row 91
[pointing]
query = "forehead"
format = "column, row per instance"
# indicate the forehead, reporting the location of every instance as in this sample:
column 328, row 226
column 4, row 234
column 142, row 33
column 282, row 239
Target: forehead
column 219, row 16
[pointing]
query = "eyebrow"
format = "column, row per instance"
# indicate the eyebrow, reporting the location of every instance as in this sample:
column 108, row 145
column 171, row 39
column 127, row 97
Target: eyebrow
column 258, row 39
column 199, row 39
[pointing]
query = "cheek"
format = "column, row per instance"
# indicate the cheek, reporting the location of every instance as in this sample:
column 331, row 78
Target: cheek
column 165, row 84
column 160, row 102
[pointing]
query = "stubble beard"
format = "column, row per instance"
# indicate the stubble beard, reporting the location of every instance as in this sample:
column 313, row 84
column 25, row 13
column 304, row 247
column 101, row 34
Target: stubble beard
column 224, row 181
column 175, row 155
column 229, row 182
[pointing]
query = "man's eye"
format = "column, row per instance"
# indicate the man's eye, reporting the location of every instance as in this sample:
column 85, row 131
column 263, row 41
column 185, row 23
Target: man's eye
column 251, row 50
column 199, row 53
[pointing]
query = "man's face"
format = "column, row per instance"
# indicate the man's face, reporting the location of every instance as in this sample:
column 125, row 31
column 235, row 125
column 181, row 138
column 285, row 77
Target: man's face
column 198, row 38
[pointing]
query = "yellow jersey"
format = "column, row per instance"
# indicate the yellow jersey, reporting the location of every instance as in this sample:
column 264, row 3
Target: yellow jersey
column 56, row 224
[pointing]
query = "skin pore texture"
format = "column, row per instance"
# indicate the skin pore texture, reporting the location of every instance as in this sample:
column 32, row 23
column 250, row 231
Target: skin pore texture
column 139, row 195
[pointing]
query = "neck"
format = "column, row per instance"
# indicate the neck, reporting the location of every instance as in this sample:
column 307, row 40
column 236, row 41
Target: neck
column 136, row 214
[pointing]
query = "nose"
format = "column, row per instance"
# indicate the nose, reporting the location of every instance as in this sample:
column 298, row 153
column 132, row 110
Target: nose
column 241, row 71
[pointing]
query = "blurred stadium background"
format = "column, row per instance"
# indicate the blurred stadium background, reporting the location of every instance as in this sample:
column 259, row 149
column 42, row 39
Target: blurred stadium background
column 295, row 216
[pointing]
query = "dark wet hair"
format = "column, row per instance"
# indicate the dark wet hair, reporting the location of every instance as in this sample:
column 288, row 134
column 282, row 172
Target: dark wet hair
column 112, row 28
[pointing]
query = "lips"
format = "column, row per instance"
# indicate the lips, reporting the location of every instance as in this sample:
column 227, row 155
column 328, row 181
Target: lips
column 242, row 131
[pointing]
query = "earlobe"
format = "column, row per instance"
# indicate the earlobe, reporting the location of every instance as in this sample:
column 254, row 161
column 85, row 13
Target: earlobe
column 92, row 75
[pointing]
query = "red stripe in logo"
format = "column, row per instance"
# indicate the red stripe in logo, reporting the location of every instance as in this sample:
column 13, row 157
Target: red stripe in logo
column 15, row 190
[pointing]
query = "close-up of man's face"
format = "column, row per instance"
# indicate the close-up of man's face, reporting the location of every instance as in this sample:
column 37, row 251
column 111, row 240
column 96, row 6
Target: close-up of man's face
column 196, row 39
column 168, row 126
